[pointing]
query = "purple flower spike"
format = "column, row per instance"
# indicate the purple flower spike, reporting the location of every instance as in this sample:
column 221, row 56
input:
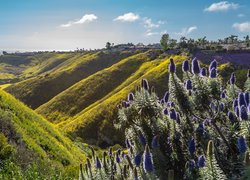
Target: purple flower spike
column 212, row 65
column 195, row 66
column 185, row 66
column 232, row 79
column 172, row 67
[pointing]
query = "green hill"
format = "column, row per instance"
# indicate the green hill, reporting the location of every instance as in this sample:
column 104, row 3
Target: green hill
column 30, row 138
column 63, row 74
column 91, row 89
column 100, row 114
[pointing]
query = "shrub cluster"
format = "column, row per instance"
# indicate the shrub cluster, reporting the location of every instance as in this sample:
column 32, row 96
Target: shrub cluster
column 198, row 130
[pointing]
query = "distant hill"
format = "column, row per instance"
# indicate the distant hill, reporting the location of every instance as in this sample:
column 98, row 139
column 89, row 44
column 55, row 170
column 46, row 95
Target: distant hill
column 58, row 76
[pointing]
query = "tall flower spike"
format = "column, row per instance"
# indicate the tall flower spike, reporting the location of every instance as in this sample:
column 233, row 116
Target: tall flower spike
column 178, row 119
column 142, row 139
column 212, row 65
column 247, row 98
column 203, row 71
column 172, row 114
column 223, row 95
column 242, row 146
column 235, row 103
column 230, row 116
column 172, row 67
column 201, row 161
column 243, row 113
column 110, row 151
column 166, row 96
column 145, row 84
column 213, row 73
column 98, row 163
column 185, row 66
column 195, row 66
column 189, row 85
column 155, row 142
column 138, row 159
column 148, row 160
column 191, row 164
column 201, row 128
column 232, row 79
column 241, row 99
column 131, row 97
column 248, row 73
column 118, row 159
column 237, row 111
column 165, row 111
column 191, row 146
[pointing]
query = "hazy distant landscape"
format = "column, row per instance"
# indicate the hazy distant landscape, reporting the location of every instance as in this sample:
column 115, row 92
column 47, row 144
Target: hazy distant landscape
column 125, row 95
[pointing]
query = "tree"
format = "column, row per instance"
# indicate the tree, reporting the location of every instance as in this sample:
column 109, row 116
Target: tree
column 164, row 41
column 108, row 45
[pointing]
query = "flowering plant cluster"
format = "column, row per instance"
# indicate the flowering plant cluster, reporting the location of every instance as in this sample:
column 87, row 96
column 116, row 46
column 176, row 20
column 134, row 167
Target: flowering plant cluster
column 200, row 129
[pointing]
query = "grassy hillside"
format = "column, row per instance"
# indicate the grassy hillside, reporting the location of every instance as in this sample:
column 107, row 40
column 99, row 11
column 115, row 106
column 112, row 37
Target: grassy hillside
column 100, row 114
column 40, row 89
column 89, row 90
column 34, row 138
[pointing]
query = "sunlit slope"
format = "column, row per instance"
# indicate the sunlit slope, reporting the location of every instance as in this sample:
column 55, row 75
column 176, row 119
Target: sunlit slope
column 94, row 123
column 89, row 90
column 40, row 89
column 32, row 135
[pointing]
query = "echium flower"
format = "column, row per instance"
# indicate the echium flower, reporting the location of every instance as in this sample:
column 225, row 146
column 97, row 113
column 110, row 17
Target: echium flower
column 230, row 116
column 155, row 142
column 203, row 71
column 191, row 146
column 189, row 85
column 185, row 66
column 247, row 98
column 138, row 159
column 172, row 114
column 195, row 66
column 235, row 103
column 145, row 84
column 165, row 111
column 98, row 164
column 213, row 73
column 172, row 67
column 212, row 65
column 242, row 145
column 148, row 160
column 142, row 139
column 201, row 161
column 178, row 119
column 243, row 113
column 248, row 73
column 223, row 95
column 131, row 97
column 237, row 111
column 222, row 106
column 241, row 99
column 201, row 128
column 166, row 96
column 232, row 79
column 118, row 159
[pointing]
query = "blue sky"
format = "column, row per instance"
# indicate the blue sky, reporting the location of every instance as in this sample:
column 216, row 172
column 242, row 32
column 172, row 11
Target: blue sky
column 69, row 24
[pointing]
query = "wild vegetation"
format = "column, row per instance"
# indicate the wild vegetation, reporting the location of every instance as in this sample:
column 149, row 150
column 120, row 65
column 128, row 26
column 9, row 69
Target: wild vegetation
column 198, row 130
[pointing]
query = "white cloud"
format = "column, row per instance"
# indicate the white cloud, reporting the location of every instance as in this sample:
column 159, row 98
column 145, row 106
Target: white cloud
column 241, row 15
column 150, row 33
column 242, row 27
column 149, row 24
column 221, row 6
column 128, row 17
column 85, row 19
column 186, row 31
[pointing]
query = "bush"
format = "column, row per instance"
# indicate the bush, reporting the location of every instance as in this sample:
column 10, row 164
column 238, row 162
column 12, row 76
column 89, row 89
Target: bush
column 200, row 129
